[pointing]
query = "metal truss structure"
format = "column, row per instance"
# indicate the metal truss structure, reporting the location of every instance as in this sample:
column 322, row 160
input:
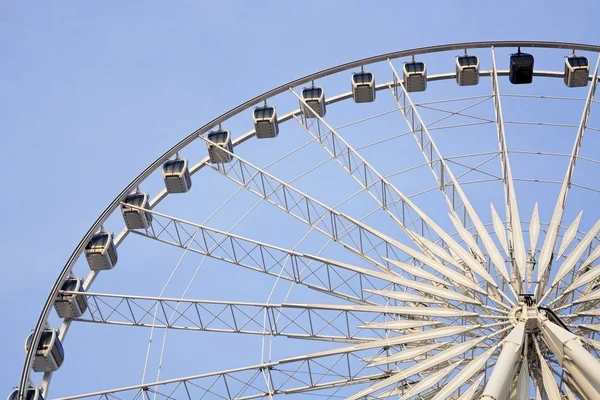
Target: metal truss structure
column 401, row 297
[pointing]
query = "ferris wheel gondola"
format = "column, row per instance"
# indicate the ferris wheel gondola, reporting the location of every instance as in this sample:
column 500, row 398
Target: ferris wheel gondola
column 577, row 71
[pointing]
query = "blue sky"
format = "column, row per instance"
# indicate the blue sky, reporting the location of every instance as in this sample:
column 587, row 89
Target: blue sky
column 92, row 92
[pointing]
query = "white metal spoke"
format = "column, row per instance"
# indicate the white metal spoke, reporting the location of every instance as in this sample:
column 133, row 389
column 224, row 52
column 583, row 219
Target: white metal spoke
column 339, row 324
column 455, row 197
column 516, row 242
column 388, row 194
column 286, row 377
column 355, row 236
column 422, row 366
column 547, row 252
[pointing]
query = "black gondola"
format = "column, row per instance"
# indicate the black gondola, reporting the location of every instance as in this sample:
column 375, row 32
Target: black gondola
column 31, row 393
column 363, row 87
column 49, row 354
column 521, row 68
column 217, row 141
column 101, row 252
column 176, row 175
column 315, row 100
column 467, row 70
column 265, row 122
column 134, row 217
column 71, row 305
column 577, row 71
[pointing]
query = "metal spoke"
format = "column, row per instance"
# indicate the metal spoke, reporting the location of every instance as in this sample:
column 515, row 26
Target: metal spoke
column 516, row 243
column 455, row 197
column 547, row 252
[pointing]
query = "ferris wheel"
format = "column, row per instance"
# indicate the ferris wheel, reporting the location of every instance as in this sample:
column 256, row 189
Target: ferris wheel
column 431, row 233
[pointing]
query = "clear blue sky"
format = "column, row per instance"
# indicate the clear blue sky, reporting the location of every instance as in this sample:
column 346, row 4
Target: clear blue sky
column 92, row 92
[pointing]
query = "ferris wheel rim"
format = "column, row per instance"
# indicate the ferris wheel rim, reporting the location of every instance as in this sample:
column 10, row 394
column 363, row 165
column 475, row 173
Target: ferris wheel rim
column 96, row 226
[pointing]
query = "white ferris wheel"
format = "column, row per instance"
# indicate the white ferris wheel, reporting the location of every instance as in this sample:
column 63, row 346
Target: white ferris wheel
column 431, row 233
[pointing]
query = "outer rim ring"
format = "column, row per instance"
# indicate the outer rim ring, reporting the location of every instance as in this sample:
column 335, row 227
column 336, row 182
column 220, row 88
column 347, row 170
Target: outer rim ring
column 23, row 384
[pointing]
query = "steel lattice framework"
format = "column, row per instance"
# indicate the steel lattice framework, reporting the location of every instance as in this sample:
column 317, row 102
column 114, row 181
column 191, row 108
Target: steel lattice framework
column 420, row 303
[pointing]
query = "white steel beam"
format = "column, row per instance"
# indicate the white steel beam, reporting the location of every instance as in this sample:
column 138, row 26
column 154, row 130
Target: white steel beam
column 429, row 381
column 575, row 254
column 468, row 371
column 419, row 367
column 357, row 237
column 547, row 252
column 338, row 324
column 336, row 225
column 469, row 394
column 387, row 195
column 516, row 242
column 343, row 280
column 455, row 197
column 285, row 377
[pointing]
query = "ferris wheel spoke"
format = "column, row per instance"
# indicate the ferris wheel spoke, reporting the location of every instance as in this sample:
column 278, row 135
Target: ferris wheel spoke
column 282, row 377
column 422, row 366
column 454, row 195
column 355, row 236
column 336, row 225
column 334, row 323
column 350, row 282
column 363, row 173
column 474, row 367
column 388, row 194
column 516, row 243
column 547, row 251
column 337, row 278
column 358, row 168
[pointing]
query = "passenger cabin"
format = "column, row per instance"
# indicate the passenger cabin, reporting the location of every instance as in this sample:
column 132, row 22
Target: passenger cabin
column 415, row 76
column 577, row 71
column 314, row 97
column 49, row 354
column 134, row 217
column 217, row 141
column 363, row 87
column 71, row 305
column 31, row 393
column 467, row 70
column 265, row 122
column 101, row 252
column 521, row 68
column 176, row 174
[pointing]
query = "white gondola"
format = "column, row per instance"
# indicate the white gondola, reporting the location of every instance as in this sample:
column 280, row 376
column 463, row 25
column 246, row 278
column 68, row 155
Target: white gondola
column 315, row 100
column 265, row 122
column 176, row 174
column 217, row 141
column 577, row 71
column 134, row 217
column 521, row 68
column 467, row 70
column 363, row 87
column 49, row 354
column 101, row 252
column 71, row 305
column 31, row 393
column 415, row 76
